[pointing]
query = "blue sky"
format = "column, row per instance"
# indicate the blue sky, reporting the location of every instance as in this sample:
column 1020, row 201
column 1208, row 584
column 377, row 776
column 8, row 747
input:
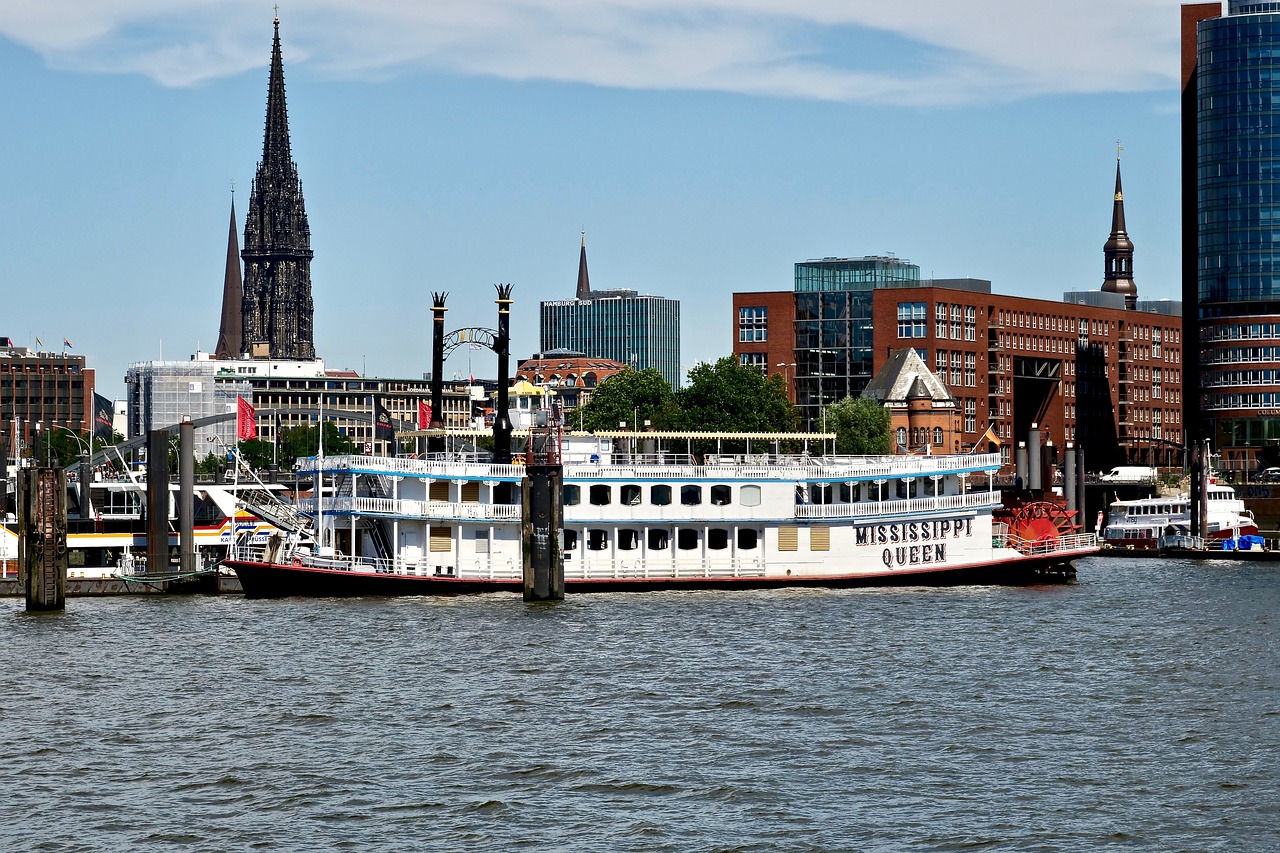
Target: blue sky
column 704, row 145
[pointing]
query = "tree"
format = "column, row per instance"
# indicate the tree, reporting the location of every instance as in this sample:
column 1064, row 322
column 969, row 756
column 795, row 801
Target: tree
column 630, row 395
column 861, row 426
column 256, row 453
column 729, row 397
column 302, row 441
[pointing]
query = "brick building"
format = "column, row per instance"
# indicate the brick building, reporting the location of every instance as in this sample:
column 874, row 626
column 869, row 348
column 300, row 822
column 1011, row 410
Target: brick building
column 51, row 390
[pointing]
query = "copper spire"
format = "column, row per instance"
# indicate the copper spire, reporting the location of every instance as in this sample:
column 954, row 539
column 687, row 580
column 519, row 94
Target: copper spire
column 229, row 333
column 584, row 283
column 1118, row 251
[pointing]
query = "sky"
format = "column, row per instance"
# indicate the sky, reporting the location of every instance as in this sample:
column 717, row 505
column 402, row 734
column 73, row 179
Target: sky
column 704, row 146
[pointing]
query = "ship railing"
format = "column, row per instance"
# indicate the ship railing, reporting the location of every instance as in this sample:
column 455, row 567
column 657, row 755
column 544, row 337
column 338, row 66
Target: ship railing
column 861, row 509
column 444, row 466
column 833, row 468
column 638, row 569
column 345, row 505
column 1071, row 542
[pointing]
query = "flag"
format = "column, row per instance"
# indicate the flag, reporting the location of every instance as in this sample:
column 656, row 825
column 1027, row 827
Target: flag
column 382, row 429
column 989, row 435
column 104, row 416
column 424, row 415
column 66, row 343
column 246, row 420
column 39, row 343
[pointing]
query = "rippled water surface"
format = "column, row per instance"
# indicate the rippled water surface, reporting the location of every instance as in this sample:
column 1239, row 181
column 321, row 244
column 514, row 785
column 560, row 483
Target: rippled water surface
column 1137, row 709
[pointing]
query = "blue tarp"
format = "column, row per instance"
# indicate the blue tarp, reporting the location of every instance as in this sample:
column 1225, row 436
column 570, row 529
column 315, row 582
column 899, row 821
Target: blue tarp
column 1243, row 543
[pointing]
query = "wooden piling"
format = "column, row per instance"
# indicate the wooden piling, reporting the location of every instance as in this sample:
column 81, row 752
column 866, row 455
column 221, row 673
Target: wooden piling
column 158, row 502
column 42, row 537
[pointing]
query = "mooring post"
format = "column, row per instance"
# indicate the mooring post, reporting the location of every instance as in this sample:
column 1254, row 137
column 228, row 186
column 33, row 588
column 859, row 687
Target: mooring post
column 502, row 346
column 42, row 536
column 1069, row 482
column 435, row 444
column 543, row 507
column 186, row 497
column 157, row 502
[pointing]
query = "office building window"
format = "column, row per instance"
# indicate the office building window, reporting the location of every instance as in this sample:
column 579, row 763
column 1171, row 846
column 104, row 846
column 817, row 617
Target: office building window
column 940, row 320
column 911, row 320
column 753, row 324
column 970, row 370
column 754, row 359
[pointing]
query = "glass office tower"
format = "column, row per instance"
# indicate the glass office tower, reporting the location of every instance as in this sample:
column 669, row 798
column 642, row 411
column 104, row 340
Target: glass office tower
column 638, row 330
column 1238, row 218
column 833, row 326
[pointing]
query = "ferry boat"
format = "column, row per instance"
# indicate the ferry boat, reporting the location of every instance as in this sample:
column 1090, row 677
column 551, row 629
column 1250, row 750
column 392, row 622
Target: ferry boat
column 1148, row 524
column 453, row 524
column 109, row 538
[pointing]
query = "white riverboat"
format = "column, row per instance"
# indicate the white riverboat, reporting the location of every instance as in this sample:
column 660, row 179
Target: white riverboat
column 1147, row 524
column 453, row 524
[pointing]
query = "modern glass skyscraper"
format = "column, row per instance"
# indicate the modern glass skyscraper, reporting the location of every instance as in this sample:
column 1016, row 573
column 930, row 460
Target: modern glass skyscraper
column 1236, row 79
column 636, row 329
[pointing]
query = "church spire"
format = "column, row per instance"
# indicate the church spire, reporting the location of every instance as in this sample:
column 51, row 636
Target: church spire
column 277, row 309
column 229, row 333
column 1118, row 250
column 584, row 283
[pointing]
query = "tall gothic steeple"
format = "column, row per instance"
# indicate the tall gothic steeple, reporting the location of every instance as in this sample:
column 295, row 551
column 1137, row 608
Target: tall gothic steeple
column 230, row 338
column 277, row 308
column 1119, row 252
column 584, row 283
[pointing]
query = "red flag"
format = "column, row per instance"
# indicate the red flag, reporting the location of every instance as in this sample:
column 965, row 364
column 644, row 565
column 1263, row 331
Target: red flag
column 246, row 420
column 424, row 415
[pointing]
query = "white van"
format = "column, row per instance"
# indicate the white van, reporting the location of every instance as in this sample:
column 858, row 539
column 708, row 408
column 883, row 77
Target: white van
column 1129, row 474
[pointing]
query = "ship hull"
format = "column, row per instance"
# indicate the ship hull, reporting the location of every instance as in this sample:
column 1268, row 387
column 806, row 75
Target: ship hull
column 270, row 580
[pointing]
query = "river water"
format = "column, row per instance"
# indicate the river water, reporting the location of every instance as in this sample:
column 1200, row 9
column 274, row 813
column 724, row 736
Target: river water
column 1136, row 709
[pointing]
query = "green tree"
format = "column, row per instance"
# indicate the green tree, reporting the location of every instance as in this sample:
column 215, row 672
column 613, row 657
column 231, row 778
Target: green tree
column 861, row 426
column 256, row 453
column 726, row 396
column 302, row 441
column 631, row 395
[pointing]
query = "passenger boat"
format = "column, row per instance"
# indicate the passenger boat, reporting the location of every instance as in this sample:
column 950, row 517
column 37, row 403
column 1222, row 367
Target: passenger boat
column 108, row 538
column 1148, row 524
column 453, row 524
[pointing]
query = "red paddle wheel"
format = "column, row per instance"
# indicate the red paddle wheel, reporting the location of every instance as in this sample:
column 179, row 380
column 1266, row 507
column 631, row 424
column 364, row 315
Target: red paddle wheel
column 1038, row 521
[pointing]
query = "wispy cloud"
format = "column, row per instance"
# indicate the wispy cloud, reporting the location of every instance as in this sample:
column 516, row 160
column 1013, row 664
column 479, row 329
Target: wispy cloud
column 948, row 52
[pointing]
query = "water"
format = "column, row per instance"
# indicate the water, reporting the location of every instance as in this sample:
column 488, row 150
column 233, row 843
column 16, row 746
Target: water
column 1135, row 710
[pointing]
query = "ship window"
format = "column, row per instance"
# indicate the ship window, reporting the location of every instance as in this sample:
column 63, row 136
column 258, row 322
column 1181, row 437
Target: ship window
column 819, row 493
column 687, row 540
column 721, row 495
column 788, row 539
column 690, row 495
column 601, row 495
column 820, row 539
column 660, row 495
column 749, row 495
column 471, row 491
column 570, row 540
column 628, row 539
column 482, row 541
column 631, row 495
column 438, row 490
column 572, row 495
column 658, row 540
column 597, row 539
column 850, row 493
column 441, row 539
column 717, row 539
column 747, row 539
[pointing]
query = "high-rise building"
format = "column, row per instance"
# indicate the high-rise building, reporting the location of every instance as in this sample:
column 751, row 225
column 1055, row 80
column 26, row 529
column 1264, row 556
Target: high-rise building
column 1231, row 224
column 277, row 309
column 639, row 330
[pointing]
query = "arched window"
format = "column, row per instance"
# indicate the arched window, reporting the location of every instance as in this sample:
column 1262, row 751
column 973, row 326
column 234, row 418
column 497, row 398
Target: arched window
column 572, row 495
column 597, row 540
column 658, row 539
column 630, row 495
column 628, row 539
column 601, row 495
column 690, row 496
column 717, row 539
column 902, row 436
column 747, row 539
column 937, row 436
column 749, row 495
column 687, row 540
column 570, row 540
column 660, row 495
column 721, row 495
column 589, row 380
